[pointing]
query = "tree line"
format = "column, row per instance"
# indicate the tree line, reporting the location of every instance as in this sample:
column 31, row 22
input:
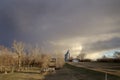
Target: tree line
column 19, row 58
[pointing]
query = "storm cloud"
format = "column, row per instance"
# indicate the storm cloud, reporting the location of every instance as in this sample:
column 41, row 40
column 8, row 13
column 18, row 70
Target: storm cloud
column 61, row 24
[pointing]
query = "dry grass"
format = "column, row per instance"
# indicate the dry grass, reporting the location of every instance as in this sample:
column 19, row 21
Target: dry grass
column 21, row 76
column 68, row 72
column 26, row 75
column 111, row 68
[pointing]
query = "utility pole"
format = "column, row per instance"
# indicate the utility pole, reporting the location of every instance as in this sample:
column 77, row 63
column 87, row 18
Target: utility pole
column 106, row 76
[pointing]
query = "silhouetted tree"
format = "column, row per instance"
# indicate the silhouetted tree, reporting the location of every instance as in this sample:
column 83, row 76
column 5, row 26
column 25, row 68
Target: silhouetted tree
column 81, row 56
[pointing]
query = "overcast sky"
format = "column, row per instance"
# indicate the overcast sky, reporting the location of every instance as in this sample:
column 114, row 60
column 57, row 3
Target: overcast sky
column 91, row 25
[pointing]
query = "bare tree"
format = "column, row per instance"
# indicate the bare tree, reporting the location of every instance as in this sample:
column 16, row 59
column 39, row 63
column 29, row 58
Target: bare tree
column 45, row 60
column 19, row 50
column 81, row 56
column 59, row 60
column 34, row 55
column 6, row 59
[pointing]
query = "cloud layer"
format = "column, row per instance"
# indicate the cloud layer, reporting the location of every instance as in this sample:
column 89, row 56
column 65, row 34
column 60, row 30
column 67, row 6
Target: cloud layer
column 61, row 24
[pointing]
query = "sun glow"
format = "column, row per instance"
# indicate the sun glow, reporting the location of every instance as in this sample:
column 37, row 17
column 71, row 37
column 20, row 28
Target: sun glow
column 76, row 49
column 94, row 56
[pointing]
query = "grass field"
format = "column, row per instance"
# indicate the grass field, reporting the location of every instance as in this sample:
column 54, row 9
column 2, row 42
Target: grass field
column 32, row 74
column 92, row 75
column 68, row 72
column 111, row 68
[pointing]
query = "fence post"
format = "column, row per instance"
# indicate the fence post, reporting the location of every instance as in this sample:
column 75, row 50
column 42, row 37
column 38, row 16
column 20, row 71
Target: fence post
column 105, row 75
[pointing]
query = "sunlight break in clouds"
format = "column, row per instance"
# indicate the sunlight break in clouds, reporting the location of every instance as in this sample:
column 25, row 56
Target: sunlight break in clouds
column 94, row 56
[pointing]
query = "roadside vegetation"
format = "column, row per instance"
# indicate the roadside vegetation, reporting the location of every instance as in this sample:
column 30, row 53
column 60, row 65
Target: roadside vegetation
column 23, row 62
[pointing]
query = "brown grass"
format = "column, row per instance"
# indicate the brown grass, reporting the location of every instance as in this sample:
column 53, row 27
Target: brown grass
column 32, row 74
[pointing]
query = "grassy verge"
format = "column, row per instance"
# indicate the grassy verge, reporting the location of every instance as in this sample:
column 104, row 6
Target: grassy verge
column 90, row 74
column 32, row 74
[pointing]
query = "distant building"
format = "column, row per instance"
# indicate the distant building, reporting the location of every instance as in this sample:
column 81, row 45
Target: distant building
column 75, row 60
column 67, row 56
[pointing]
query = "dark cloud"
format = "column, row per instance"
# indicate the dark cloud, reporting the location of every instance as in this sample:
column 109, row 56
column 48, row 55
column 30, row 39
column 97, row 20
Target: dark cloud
column 43, row 21
column 111, row 44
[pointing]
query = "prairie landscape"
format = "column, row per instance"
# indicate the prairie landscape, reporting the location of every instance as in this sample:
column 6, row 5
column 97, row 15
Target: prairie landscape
column 105, row 67
column 30, row 63
column 59, row 39
column 68, row 72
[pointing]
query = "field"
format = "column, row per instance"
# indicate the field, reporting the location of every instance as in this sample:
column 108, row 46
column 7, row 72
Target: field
column 71, row 71
column 111, row 68
column 32, row 74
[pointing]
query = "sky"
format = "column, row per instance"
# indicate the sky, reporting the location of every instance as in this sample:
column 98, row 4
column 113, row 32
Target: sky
column 91, row 26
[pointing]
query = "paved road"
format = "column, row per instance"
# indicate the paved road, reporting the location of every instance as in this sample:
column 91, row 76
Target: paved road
column 62, row 74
